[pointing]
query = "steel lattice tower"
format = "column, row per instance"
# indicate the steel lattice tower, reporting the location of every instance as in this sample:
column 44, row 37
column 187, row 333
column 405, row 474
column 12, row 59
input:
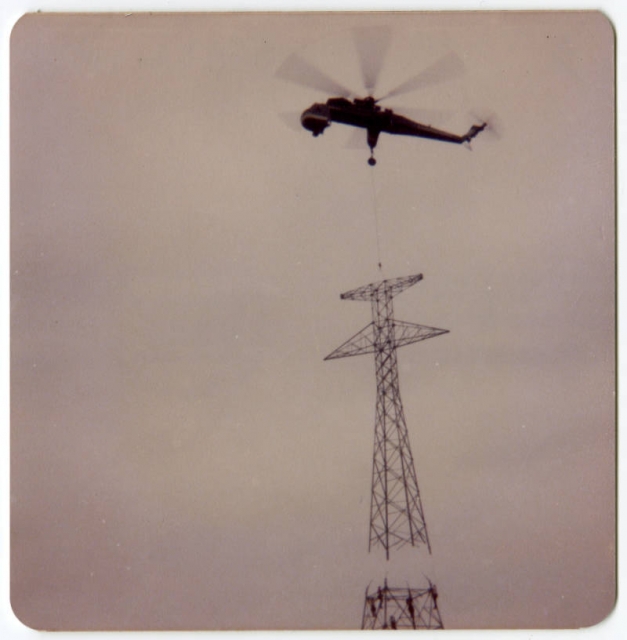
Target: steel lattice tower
column 396, row 513
column 402, row 608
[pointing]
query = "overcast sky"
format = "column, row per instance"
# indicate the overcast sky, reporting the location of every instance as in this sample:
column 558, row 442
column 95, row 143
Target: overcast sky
column 182, row 456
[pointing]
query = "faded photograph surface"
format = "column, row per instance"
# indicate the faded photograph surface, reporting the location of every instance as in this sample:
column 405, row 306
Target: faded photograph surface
column 182, row 454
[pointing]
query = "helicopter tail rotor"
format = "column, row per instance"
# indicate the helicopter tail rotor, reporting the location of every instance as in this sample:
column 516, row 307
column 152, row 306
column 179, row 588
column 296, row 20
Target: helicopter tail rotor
column 493, row 123
column 474, row 131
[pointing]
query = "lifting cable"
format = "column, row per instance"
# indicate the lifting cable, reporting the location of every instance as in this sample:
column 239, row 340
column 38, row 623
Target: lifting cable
column 376, row 220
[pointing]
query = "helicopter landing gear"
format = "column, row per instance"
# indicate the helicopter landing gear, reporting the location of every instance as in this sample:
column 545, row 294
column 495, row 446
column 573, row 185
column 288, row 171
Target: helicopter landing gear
column 372, row 161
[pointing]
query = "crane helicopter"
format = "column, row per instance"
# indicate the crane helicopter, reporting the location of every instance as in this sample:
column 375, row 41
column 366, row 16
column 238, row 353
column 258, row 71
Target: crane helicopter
column 365, row 113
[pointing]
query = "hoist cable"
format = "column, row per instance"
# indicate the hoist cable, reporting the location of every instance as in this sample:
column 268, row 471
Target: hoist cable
column 376, row 220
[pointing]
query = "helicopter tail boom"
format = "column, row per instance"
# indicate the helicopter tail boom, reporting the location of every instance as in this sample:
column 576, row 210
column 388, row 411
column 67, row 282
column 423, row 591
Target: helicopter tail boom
column 400, row 125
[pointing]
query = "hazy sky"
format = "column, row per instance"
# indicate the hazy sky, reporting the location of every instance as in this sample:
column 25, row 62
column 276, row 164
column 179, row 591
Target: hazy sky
column 182, row 456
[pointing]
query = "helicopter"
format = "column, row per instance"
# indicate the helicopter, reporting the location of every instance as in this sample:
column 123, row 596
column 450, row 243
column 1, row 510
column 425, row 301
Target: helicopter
column 365, row 113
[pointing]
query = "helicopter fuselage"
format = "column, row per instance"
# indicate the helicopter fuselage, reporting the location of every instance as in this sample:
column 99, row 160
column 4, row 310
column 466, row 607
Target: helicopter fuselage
column 367, row 114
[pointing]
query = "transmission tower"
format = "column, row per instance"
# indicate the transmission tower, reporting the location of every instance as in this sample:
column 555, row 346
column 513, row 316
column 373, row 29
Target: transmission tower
column 396, row 513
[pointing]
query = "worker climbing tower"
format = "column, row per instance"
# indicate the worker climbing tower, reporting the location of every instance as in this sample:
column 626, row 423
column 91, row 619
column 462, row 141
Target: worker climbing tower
column 402, row 608
column 396, row 513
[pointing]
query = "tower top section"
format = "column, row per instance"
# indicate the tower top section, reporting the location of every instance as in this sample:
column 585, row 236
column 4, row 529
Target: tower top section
column 383, row 289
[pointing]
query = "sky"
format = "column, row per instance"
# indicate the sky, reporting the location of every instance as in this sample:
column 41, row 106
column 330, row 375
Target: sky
column 181, row 455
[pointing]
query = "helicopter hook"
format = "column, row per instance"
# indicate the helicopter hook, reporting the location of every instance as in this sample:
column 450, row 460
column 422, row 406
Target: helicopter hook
column 373, row 137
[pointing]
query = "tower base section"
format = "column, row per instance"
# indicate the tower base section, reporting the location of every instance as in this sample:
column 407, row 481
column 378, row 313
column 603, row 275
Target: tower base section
column 402, row 608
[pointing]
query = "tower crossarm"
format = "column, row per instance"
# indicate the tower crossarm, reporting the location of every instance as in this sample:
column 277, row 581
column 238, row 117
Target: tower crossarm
column 362, row 342
column 408, row 332
column 388, row 288
column 365, row 340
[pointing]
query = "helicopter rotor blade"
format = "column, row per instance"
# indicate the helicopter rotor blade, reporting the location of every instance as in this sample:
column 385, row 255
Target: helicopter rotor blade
column 292, row 120
column 372, row 44
column 446, row 68
column 298, row 71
